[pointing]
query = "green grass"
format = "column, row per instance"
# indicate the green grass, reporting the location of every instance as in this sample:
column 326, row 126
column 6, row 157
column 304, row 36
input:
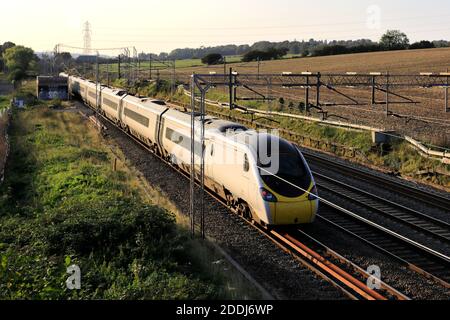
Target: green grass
column 179, row 64
column 4, row 102
column 62, row 204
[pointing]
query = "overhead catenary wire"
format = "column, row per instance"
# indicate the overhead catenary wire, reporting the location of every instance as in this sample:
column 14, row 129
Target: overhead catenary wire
column 356, row 22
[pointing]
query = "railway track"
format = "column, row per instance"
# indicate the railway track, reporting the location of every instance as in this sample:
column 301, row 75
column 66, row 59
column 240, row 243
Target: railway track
column 414, row 219
column 328, row 264
column 347, row 277
column 432, row 199
column 415, row 256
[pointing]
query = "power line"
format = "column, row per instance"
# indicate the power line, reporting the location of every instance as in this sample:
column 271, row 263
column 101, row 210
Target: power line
column 285, row 26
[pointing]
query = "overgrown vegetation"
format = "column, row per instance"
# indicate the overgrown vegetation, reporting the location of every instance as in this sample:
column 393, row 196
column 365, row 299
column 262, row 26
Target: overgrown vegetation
column 212, row 59
column 62, row 204
column 269, row 54
column 18, row 61
column 4, row 102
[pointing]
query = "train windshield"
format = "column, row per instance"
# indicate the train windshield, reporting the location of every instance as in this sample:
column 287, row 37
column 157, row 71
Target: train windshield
column 290, row 172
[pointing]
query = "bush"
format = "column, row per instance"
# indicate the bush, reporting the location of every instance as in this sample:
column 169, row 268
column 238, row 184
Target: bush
column 270, row 54
column 61, row 204
column 340, row 49
column 105, row 227
column 212, row 59
column 424, row 44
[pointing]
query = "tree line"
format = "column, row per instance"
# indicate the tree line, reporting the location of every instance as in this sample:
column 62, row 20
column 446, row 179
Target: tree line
column 18, row 62
column 266, row 50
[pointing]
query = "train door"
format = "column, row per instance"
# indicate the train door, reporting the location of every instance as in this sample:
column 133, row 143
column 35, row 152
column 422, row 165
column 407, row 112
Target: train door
column 245, row 173
column 209, row 159
column 120, row 109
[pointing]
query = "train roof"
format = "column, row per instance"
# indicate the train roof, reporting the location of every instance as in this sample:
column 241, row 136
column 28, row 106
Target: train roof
column 223, row 126
column 212, row 124
column 113, row 91
column 146, row 103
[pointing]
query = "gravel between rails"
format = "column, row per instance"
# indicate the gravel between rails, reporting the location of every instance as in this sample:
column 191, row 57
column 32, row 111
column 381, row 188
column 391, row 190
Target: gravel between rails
column 379, row 190
column 394, row 197
column 392, row 225
column 276, row 270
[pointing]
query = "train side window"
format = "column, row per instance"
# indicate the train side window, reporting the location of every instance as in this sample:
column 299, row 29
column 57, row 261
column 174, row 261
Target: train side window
column 246, row 163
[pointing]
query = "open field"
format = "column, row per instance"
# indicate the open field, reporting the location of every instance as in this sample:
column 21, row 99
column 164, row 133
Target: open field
column 405, row 61
column 179, row 64
column 432, row 125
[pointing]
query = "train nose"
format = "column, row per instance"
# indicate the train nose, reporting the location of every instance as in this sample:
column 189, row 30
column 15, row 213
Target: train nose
column 295, row 212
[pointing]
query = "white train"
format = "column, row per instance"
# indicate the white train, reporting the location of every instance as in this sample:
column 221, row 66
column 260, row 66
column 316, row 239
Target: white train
column 263, row 177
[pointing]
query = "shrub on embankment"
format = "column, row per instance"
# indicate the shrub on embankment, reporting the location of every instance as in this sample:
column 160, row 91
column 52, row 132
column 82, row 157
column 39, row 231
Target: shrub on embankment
column 62, row 204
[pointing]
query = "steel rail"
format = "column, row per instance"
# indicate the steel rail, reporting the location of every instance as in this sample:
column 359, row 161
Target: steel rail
column 327, row 252
column 432, row 199
column 412, row 218
column 415, row 256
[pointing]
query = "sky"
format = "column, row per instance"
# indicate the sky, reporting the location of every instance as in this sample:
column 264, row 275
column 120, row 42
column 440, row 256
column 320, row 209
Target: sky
column 156, row 26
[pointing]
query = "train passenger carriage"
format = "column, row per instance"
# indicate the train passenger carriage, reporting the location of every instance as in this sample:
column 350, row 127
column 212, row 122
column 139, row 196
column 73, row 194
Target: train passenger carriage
column 92, row 94
column 111, row 103
column 175, row 137
column 142, row 118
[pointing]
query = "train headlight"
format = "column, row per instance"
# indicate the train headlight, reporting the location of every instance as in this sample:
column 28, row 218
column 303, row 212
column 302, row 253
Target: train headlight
column 313, row 194
column 268, row 196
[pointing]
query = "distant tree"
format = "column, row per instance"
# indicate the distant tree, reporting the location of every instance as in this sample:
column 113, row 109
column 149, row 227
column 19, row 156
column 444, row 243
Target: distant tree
column 394, row 40
column 270, row 54
column 305, row 53
column 424, row 44
column 212, row 58
column 441, row 43
column 6, row 46
column 254, row 56
column 372, row 47
column 3, row 48
column 277, row 53
column 295, row 49
column 19, row 60
column 330, row 50
column 163, row 55
column 64, row 58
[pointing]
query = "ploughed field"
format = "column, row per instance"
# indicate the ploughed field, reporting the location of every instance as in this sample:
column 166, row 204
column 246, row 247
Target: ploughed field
column 425, row 120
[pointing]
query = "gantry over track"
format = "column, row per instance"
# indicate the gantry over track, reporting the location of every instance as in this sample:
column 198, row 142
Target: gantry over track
column 385, row 83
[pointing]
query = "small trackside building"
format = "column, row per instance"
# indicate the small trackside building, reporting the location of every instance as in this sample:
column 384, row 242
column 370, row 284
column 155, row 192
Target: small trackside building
column 49, row 88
